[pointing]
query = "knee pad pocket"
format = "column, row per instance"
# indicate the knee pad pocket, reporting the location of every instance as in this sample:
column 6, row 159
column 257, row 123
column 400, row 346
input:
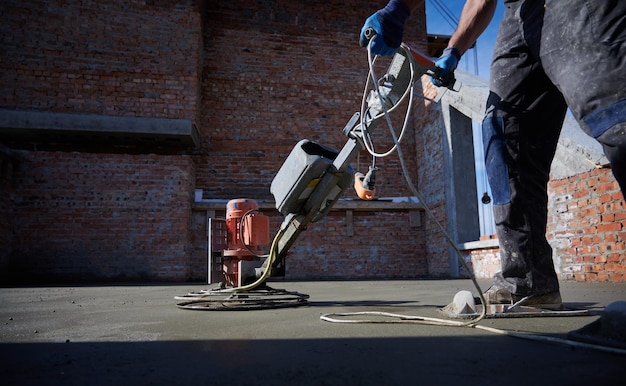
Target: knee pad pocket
column 495, row 164
column 604, row 118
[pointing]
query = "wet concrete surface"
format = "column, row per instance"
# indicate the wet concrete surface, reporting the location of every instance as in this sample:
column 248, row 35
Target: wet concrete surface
column 135, row 334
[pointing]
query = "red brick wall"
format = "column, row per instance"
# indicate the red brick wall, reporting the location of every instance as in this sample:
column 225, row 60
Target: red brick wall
column 254, row 77
column 484, row 263
column 7, row 194
column 276, row 74
column 587, row 227
column 430, row 181
column 102, row 217
column 81, row 216
column 384, row 246
column 123, row 58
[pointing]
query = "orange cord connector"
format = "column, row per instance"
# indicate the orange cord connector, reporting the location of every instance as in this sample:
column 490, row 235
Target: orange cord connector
column 364, row 184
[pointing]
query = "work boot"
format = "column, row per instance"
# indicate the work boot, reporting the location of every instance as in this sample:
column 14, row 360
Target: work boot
column 550, row 300
column 499, row 295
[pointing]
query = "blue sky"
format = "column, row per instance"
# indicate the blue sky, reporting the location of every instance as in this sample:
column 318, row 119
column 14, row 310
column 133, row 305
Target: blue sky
column 436, row 24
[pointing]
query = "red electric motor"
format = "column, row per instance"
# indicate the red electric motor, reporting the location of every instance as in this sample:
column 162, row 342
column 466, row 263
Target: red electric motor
column 248, row 233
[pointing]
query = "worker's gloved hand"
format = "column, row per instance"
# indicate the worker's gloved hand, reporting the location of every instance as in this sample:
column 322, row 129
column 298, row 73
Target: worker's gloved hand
column 388, row 26
column 445, row 66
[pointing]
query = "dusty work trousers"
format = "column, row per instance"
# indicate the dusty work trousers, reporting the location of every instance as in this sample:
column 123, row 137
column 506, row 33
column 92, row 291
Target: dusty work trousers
column 548, row 55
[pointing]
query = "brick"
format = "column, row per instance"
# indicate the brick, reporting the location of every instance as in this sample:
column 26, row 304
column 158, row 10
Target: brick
column 611, row 227
column 595, row 224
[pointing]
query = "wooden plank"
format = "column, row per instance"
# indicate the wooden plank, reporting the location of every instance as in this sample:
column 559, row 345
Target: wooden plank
column 341, row 205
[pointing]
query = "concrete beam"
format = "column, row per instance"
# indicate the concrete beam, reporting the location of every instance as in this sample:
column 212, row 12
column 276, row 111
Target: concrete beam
column 40, row 126
column 391, row 204
column 471, row 98
column 576, row 152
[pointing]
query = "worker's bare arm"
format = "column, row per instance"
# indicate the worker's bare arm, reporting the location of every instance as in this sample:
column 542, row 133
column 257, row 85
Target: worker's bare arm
column 475, row 18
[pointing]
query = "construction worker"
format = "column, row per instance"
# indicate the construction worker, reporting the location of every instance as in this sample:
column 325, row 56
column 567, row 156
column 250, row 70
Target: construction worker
column 548, row 56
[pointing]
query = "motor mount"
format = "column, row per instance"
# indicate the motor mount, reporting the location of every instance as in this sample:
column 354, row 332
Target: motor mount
column 247, row 234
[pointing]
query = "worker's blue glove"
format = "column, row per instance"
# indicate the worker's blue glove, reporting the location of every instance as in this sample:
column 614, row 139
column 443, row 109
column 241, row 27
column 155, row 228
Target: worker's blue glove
column 445, row 66
column 387, row 25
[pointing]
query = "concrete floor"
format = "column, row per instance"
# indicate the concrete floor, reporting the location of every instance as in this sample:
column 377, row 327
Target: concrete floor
column 102, row 335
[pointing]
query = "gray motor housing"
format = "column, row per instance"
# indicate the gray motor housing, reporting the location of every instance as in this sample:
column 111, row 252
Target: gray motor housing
column 301, row 173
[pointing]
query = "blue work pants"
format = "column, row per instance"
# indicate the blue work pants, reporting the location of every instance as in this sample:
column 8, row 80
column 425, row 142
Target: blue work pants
column 549, row 55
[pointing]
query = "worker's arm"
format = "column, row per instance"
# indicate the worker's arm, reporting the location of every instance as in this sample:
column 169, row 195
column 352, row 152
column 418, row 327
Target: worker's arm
column 475, row 18
column 412, row 4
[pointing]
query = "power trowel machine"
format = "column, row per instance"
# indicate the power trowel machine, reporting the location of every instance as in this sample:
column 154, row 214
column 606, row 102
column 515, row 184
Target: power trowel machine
column 306, row 187
column 309, row 183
